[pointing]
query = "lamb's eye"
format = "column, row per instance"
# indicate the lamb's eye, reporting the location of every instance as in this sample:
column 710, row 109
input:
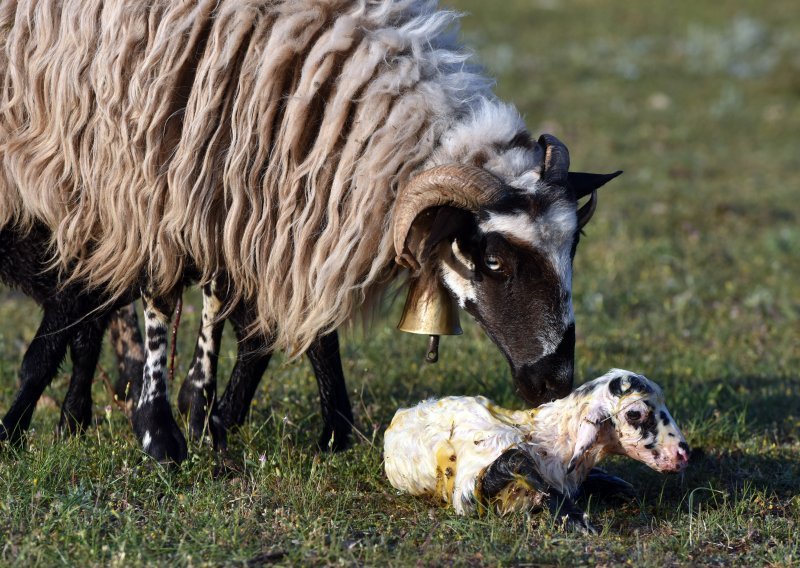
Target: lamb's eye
column 493, row 263
column 633, row 415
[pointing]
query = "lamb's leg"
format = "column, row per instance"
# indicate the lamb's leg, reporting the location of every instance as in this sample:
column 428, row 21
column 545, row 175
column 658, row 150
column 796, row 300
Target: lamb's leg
column 39, row 365
column 129, row 348
column 197, row 398
column 567, row 512
column 85, row 345
column 514, row 466
column 252, row 359
column 152, row 419
column 603, row 484
column 337, row 416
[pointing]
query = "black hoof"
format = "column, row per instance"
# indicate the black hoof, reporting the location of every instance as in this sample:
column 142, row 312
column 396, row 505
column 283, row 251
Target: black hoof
column 334, row 441
column 194, row 404
column 574, row 520
column 601, row 484
column 158, row 433
column 73, row 422
column 15, row 435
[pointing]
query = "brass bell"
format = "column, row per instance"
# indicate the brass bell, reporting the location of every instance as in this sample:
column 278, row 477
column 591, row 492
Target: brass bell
column 430, row 310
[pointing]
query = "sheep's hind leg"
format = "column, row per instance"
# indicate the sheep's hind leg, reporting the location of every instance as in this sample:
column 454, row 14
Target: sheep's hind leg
column 129, row 349
column 197, row 398
column 252, row 359
column 85, row 345
column 39, row 365
column 152, row 419
column 508, row 470
column 337, row 415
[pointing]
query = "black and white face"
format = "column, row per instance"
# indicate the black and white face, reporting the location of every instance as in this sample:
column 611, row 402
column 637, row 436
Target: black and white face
column 504, row 249
column 510, row 267
column 644, row 427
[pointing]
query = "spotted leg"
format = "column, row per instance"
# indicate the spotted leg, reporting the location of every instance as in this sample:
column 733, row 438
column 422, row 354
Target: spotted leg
column 152, row 419
column 129, row 349
column 337, row 416
column 197, row 398
column 85, row 345
column 512, row 482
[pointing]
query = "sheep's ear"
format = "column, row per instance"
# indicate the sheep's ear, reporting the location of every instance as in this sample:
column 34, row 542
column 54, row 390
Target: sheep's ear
column 586, row 436
column 583, row 183
column 447, row 224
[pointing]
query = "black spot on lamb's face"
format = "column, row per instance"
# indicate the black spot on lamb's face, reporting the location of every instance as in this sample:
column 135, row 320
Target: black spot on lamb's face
column 644, row 426
column 513, row 273
column 629, row 384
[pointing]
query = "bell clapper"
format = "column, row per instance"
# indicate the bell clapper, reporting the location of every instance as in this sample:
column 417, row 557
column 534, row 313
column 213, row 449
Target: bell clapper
column 433, row 349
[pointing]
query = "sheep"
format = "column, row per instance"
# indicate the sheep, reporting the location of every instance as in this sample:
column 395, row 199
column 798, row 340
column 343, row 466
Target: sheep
column 71, row 319
column 311, row 150
column 469, row 452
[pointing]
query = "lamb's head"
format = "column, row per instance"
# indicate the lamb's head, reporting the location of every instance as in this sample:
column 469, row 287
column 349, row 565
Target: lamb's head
column 626, row 414
column 504, row 250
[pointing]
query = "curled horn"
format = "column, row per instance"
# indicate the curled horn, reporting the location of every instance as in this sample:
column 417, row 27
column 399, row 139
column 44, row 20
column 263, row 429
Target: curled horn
column 463, row 186
column 556, row 160
column 585, row 213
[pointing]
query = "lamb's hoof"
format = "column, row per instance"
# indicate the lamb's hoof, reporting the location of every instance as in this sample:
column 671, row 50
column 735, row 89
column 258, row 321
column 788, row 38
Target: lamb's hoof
column 605, row 485
column 159, row 434
column 577, row 522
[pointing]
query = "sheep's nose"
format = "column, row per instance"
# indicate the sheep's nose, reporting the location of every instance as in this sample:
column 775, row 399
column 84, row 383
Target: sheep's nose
column 683, row 455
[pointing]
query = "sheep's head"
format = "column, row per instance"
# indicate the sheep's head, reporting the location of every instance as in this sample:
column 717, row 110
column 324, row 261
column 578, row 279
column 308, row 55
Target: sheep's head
column 504, row 251
column 627, row 415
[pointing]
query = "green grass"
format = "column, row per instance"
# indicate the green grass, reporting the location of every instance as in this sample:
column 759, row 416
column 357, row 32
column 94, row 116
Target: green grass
column 689, row 273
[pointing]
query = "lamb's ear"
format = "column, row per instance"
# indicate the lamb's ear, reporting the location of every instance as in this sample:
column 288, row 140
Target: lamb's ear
column 586, row 436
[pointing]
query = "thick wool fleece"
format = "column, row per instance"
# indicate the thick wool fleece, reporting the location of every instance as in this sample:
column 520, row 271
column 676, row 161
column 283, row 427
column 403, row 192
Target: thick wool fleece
column 266, row 139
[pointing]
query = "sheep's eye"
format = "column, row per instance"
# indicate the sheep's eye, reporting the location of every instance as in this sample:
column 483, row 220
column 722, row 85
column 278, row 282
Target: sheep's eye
column 493, row 263
column 633, row 415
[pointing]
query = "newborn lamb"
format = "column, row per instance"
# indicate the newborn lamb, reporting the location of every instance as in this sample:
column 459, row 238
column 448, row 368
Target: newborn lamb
column 469, row 452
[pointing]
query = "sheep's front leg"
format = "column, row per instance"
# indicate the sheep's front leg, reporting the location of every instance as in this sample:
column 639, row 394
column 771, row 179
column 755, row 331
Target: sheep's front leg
column 252, row 359
column 197, row 398
column 337, row 416
column 152, row 417
column 512, row 482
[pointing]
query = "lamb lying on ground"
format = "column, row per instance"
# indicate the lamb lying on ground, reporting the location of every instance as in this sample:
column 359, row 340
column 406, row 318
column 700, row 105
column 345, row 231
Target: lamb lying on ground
column 471, row 453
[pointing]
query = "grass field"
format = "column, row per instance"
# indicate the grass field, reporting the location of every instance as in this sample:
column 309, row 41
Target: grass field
column 689, row 273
